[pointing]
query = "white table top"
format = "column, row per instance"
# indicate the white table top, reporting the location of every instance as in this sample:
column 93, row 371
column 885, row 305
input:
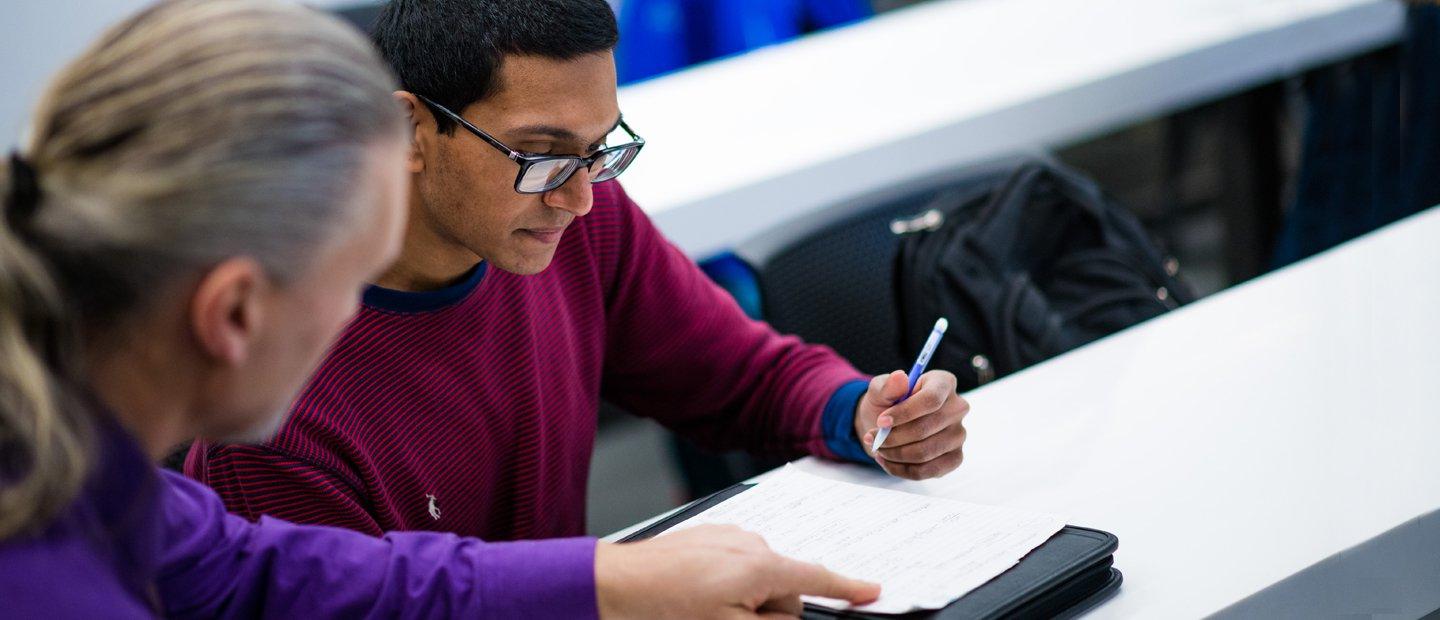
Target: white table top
column 1237, row 441
column 739, row 146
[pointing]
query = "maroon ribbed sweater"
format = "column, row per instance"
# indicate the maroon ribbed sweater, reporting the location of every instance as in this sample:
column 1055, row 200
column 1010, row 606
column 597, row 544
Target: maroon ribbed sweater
column 484, row 395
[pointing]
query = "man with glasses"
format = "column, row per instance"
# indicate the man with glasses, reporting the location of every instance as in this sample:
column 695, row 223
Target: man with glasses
column 538, row 174
column 464, row 395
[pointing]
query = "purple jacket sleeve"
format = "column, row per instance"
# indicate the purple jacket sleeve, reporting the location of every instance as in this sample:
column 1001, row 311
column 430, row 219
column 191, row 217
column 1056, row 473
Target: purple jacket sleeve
column 681, row 351
column 220, row 565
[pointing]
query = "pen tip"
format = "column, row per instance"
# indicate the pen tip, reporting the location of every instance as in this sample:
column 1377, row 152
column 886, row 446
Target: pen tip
column 942, row 324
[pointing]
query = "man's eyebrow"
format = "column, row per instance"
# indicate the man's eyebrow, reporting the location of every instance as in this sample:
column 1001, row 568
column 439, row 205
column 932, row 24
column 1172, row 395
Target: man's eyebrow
column 561, row 133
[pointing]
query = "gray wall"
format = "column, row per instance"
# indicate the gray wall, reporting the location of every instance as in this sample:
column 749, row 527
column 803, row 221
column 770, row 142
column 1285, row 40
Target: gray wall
column 37, row 37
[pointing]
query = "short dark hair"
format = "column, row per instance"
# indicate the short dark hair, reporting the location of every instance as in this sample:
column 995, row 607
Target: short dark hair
column 451, row 50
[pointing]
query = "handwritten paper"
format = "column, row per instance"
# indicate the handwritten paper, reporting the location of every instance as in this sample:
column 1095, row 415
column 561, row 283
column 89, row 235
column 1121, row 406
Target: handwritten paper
column 923, row 551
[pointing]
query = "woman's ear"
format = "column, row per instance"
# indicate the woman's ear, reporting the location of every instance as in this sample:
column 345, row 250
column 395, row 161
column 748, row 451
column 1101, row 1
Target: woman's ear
column 226, row 311
column 422, row 130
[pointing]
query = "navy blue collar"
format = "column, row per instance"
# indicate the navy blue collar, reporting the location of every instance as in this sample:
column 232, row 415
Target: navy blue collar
column 391, row 300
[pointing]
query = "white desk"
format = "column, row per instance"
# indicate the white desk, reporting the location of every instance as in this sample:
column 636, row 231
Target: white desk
column 1242, row 440
column 739, row 146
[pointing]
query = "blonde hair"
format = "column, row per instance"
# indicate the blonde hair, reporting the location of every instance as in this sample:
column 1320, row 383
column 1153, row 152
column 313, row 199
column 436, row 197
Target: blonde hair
column 195, row 131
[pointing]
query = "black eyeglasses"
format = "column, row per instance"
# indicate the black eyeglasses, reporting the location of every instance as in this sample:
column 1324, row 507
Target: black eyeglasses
column 543, row 173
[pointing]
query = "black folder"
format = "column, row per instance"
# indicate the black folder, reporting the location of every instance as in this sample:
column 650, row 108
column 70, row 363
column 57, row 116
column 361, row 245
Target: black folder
column 1067, row 575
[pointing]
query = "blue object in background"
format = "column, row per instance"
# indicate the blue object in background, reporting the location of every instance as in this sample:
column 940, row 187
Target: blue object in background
column 1371, row 152
column 659, row 36
column 738, row 279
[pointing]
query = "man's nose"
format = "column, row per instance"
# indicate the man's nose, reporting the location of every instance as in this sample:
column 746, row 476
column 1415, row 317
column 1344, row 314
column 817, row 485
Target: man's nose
column 574, row 196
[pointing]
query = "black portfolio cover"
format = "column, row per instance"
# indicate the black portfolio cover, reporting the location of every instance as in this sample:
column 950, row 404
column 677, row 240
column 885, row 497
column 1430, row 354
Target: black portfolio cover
column 1065, row 576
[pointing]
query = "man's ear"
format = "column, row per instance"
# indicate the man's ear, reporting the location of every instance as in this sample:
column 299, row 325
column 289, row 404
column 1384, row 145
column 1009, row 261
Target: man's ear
column 422, row 130
column 226, row 310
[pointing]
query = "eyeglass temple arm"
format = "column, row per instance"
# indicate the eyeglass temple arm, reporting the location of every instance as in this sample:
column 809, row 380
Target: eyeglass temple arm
column 630, row 131
column 509, row 152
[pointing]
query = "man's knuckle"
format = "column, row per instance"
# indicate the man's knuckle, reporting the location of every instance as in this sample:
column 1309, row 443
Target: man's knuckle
column 954, row 410
column 930, row 425
column 948, row 463
column 934, row 451
column 929, row 470
column 906, row 453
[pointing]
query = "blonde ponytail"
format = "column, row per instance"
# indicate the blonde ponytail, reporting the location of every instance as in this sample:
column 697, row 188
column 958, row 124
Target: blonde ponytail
column 43, row 441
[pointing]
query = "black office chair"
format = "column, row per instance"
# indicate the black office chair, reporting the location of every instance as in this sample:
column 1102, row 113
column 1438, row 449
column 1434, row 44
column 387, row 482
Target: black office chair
column 828, row 277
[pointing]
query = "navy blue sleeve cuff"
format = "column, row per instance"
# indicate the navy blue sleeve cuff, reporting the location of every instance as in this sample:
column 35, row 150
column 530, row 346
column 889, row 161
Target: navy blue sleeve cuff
column 838, row 423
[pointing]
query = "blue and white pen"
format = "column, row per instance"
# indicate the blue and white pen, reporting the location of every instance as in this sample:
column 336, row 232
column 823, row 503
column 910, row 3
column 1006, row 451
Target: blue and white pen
column 915, row 371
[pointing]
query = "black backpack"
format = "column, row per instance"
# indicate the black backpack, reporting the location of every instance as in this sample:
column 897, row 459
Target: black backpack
column 1042, row 263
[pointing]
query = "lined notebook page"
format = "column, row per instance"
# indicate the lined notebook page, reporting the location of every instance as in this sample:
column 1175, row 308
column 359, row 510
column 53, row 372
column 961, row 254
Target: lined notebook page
column 923, row 551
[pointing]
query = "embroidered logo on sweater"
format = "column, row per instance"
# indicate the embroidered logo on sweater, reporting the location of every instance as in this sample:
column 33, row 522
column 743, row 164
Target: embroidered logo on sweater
column 434, row 509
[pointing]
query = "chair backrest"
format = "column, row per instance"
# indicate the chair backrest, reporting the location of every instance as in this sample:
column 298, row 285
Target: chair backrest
column 829, row 277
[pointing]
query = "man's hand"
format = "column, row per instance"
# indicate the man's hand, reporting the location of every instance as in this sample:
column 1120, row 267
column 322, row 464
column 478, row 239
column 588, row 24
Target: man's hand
column 711, row 571
column 926, row 434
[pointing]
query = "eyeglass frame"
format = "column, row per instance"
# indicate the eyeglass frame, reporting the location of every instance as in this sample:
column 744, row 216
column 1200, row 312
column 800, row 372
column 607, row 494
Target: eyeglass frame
column 527, row 161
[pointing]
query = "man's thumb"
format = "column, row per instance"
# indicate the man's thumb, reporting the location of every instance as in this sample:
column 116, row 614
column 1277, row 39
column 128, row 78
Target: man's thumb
column 897, row 386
